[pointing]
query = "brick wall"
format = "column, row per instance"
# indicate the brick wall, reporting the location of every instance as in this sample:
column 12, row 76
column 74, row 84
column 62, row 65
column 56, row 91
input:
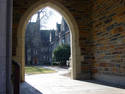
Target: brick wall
column 109, row 37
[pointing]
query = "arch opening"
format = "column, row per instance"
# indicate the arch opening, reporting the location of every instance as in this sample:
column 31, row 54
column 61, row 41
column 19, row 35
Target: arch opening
column 75, row 49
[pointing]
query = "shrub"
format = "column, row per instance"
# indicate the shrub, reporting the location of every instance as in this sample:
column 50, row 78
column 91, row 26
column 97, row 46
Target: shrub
column 61, row 54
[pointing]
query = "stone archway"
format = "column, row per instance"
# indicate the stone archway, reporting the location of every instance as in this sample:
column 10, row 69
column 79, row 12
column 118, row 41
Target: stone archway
column 75, row 49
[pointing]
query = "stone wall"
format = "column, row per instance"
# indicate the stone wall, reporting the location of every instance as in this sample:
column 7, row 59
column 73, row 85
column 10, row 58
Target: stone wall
column 5, row 46
column 108, row 19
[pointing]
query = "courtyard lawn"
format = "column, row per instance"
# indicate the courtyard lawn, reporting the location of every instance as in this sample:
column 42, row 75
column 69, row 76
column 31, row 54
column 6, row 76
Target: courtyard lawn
column 37, row 70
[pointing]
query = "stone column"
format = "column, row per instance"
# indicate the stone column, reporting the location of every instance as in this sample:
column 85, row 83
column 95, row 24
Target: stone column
column 5, row 46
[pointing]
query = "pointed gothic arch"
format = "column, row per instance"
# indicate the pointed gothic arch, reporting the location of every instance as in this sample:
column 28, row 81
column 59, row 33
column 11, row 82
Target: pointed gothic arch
column 75, row 49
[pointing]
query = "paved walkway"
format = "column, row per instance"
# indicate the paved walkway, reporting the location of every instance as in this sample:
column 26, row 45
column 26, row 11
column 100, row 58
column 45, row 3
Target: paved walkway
column 55, row 83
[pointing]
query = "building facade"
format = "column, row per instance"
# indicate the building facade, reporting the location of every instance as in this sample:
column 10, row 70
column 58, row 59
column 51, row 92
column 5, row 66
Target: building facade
column 40, row 44
column 61, row 35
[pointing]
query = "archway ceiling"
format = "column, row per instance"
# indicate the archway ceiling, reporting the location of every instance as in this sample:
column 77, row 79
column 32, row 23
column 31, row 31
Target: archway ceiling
column 76, row 7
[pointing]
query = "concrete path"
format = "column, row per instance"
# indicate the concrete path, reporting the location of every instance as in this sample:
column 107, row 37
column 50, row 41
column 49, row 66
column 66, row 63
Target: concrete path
column 55, row 83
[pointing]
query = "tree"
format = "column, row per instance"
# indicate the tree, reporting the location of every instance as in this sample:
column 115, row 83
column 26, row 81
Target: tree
column 44, row 16
column 61, row 54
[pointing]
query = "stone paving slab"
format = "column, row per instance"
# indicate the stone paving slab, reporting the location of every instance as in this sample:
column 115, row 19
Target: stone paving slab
column 55, row 83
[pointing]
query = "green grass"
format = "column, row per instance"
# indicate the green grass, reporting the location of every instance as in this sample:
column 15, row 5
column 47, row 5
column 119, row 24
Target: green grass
column 37, row 70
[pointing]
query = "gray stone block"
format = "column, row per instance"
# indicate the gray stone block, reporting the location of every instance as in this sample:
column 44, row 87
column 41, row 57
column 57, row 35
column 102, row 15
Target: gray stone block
column 113, row 79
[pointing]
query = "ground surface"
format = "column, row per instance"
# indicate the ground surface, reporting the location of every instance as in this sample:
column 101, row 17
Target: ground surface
column 37, row 70
column 55, row 83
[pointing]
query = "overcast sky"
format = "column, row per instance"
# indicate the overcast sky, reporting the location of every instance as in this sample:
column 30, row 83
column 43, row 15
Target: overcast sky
column 51, row 21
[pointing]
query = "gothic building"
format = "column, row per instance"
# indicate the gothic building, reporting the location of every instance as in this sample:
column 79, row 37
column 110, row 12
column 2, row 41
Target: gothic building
column 37, row 44
column 61, row 36
column 64, row 33
column 41, row 43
